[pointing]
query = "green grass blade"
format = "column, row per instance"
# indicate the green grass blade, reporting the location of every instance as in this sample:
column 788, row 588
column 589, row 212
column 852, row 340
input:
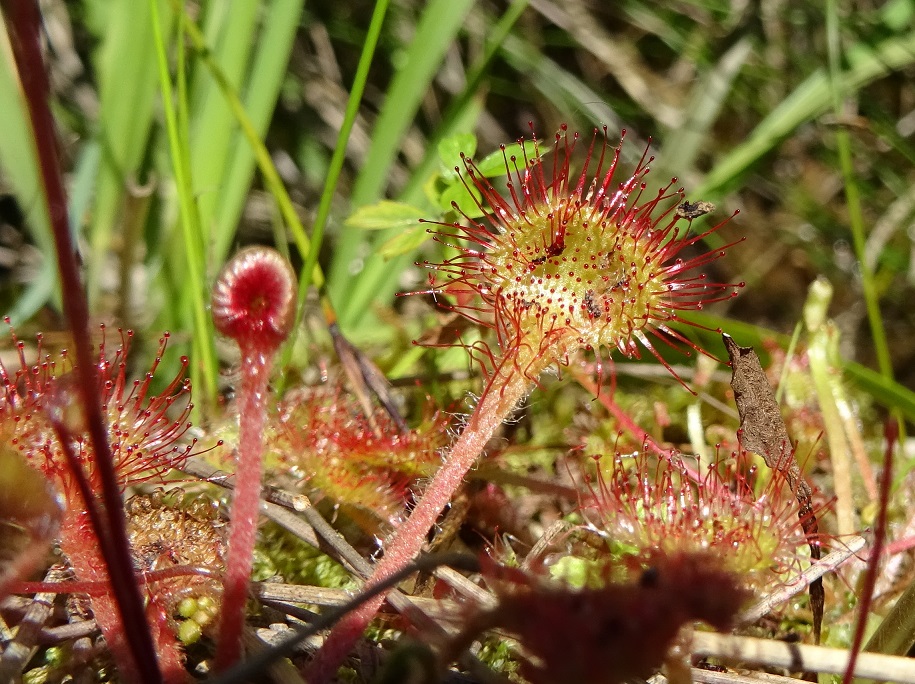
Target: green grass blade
column 262, row 89
column 20, row 165
column 310, row 267
column 230, row 33
column 204, row 342
column 811, row 98
column 465, row 108
column 439, row 24
column 582, row 105
column 262, row 156
column 853, row 196
column 886, row 391
column 896, row 633
column 339, row 156
column 706, row 101
column 125, row 68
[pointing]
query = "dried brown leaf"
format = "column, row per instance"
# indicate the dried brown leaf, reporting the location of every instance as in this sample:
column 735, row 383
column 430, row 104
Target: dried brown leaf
column 763, row 431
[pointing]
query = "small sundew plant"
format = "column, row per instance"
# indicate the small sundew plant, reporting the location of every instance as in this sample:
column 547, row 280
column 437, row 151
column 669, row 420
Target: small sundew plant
column 145, row 434
column 367, row 462
column 145, row 429
column 564, row 262
column 639, row 506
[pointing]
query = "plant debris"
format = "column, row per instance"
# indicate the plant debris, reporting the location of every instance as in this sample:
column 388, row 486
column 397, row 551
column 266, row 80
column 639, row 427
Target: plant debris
column 763, row 431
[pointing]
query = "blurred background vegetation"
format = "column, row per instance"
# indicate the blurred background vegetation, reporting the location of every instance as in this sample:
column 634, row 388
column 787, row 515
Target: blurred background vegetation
column 800, row 115
column 189, row 129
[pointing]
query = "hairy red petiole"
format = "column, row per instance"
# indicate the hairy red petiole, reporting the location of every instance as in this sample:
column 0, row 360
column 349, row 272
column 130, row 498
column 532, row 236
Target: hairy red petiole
column 96, row 588
column 253, row 304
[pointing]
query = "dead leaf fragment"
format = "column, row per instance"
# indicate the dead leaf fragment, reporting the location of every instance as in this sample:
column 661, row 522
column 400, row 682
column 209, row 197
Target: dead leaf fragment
column 763, row 431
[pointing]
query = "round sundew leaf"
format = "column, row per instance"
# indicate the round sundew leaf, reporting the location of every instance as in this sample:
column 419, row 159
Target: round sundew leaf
column 564, row 260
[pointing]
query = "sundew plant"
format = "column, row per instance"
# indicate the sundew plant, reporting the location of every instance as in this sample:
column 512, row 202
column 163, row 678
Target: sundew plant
column 346, row 340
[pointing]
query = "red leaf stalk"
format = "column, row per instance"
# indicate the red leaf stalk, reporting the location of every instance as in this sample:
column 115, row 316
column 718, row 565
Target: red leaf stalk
column 253, row 303
column 79, row 544
column 494, row 405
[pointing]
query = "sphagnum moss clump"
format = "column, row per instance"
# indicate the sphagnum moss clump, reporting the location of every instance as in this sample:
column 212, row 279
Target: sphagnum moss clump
column 560, row 263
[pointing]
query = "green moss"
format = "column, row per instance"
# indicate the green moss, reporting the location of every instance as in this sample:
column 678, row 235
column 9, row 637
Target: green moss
column 497, row 655
column 280, row 553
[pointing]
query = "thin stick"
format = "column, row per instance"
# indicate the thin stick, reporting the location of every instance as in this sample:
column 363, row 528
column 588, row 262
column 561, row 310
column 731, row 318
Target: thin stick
column 799, row 583
column 802, row 657
column 255, row 665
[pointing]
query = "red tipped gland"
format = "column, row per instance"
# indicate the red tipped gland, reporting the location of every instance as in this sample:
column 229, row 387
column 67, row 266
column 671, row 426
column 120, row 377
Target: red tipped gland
column 254, row 299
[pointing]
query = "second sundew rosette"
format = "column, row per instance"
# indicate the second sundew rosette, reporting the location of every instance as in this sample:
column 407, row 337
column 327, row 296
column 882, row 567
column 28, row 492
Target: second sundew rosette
column 364, row 463
column 642, row 505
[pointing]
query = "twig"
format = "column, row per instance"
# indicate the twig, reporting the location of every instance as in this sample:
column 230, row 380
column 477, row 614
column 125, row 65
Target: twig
column 324, row 596
column 18, row 653
column 797, row 584
column 702, row 676
column 712, row 677
column 287, row 646
column 281, row 670
column 554, row 531
column 464, row 586
column 802, row 657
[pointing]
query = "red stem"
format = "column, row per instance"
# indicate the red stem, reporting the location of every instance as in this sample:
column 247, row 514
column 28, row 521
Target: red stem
column 78, row 543
column 24, row 37
column 497, row 401
column 252, row 408
column 873, row 562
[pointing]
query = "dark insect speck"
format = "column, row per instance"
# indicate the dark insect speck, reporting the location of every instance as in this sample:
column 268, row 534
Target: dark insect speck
column 691, row 210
